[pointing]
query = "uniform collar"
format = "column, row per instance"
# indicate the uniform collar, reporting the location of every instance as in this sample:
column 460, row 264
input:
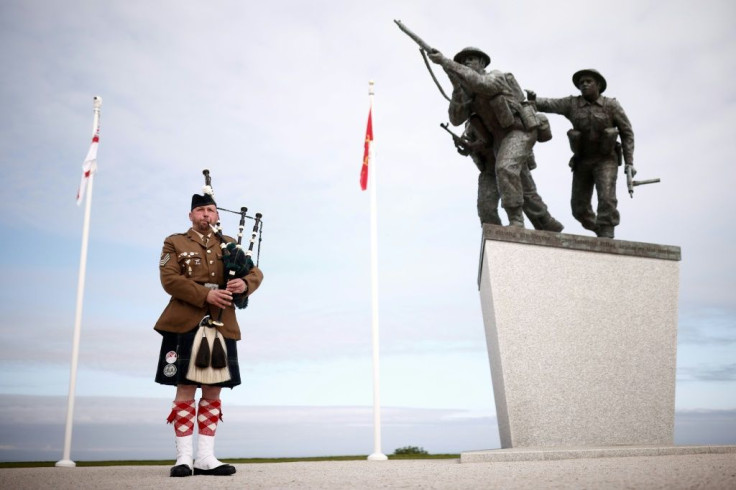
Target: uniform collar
column 194, row 233
column 582, row 102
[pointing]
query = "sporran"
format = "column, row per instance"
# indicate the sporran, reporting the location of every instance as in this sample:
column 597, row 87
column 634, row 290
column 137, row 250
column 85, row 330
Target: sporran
column 205, row 339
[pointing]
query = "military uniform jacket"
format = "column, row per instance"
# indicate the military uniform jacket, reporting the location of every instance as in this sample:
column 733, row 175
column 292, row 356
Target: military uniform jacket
column 591, row 118
column 186, row 265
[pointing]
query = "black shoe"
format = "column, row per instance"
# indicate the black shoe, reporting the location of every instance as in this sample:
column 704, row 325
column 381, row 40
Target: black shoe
column 180, row 470
column 222, row 470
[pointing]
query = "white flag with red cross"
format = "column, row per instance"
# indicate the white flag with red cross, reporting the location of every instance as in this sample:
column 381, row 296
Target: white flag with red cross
column 89, row 166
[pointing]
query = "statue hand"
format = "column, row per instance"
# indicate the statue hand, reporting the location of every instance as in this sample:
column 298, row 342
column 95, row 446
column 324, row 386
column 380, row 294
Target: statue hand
column 435, row 56
column 531, row 95
column 633, row 170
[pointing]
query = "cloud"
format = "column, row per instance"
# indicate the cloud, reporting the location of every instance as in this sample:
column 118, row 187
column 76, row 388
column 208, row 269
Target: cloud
column 708, row 372
column 707, row 326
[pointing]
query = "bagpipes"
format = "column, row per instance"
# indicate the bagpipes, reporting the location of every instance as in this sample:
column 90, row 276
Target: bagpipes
column 236, row 261
column 207, row 366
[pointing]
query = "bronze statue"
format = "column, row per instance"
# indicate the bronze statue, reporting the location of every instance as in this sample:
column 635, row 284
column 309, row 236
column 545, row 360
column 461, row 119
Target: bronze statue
column 597, row 124
column 473, row 144
column 493, row 107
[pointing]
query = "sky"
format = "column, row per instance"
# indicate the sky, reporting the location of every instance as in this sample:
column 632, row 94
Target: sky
column 273, row 98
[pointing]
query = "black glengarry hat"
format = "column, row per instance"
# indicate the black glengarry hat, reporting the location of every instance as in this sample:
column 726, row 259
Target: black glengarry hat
column 204, row 200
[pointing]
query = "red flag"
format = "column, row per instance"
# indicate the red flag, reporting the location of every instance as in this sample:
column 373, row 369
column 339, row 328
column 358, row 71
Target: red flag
column 89, row 166
column 367, row 151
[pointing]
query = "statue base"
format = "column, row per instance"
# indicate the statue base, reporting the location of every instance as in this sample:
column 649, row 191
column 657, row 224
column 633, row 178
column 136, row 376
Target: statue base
column 582, row 338
column 554, row 454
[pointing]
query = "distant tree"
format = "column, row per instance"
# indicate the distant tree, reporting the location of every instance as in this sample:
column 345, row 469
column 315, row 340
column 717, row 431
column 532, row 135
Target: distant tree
column 410, row 450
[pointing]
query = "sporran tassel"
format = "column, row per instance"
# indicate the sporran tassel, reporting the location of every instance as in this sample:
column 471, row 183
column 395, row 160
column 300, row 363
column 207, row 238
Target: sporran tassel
column 219, row 358
column 203, row 354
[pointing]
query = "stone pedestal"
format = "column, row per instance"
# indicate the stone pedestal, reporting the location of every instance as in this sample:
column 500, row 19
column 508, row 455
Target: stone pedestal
column 582, row 338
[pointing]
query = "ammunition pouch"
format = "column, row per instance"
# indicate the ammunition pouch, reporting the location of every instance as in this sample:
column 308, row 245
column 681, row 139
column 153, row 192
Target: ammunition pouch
column 575, row 137
column 544, row 130
column 528, row 116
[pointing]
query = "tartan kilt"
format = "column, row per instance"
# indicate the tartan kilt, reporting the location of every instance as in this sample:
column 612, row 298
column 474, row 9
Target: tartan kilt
column 176, row 351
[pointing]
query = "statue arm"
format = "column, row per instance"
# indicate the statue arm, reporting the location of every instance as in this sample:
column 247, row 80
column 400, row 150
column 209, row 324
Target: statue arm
column 625, row 131
column 555, row 106
column 489, row 84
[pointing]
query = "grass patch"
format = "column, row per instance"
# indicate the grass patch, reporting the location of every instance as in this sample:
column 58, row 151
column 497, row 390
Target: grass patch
column 169, row 462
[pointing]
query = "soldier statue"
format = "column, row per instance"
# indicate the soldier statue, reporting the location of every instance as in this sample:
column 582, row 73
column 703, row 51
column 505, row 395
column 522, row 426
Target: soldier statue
column 493, row 105
column 597, row 123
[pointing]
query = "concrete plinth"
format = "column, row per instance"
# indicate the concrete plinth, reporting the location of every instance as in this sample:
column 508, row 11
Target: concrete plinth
column 582, row 338
column 555, row 454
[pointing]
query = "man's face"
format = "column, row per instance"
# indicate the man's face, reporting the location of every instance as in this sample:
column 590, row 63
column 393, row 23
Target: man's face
column 589, row 87
column 202, row 217
column 473, row 62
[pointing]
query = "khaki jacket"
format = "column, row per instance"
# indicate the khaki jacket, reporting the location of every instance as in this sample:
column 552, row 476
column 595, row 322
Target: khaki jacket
column 185, row 267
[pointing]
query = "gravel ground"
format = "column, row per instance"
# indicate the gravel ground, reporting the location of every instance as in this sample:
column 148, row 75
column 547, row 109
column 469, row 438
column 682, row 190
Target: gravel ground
column 701, row 471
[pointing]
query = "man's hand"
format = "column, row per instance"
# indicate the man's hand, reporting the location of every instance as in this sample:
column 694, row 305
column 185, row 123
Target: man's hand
column 221, row 298
column 236, row 286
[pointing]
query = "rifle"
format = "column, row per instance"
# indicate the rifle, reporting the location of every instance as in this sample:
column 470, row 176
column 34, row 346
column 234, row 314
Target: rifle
column 417, row 39
column 423, row 49
column 464, row 147
column 631, row 183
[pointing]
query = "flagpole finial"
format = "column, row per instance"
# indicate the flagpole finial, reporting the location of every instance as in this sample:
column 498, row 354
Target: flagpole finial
column 370, row 87
column 97, row 101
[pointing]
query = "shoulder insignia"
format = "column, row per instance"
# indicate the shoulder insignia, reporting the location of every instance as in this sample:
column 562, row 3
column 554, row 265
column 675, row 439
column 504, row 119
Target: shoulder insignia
column 164, row 259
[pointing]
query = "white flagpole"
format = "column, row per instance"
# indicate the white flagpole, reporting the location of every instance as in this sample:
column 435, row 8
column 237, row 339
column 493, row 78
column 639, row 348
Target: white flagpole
column 66, row 458
column 377, row 453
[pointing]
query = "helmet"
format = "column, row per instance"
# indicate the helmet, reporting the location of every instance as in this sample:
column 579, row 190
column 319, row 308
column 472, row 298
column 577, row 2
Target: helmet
column 593, row 73
column 472, row 51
